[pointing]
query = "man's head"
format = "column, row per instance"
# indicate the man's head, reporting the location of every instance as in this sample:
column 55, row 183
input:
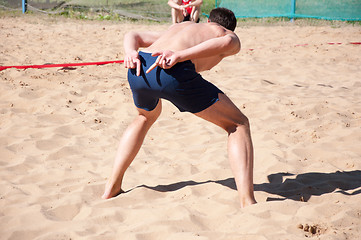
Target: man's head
column 224, row 17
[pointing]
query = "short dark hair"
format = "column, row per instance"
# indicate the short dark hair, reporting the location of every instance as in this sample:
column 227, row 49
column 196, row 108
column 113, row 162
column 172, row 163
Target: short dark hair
column 224, row 17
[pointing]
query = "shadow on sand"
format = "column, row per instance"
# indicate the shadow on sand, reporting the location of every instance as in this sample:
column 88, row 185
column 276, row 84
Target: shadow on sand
column 299, row 187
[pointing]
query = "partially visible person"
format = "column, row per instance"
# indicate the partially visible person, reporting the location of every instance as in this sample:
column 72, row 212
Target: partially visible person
column 185, row 10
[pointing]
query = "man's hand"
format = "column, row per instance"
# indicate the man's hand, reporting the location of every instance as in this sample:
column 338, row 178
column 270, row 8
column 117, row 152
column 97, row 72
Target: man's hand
column 166, row 59
column 131, row 60
column 184, row 10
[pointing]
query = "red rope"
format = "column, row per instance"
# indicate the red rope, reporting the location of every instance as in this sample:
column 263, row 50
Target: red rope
column 60, row 65
column 119, row 61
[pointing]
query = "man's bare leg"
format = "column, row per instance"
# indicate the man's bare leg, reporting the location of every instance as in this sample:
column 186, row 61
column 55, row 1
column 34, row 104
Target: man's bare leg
column 195, row 13
column 240, row 150
column 177, row 14
column 129, row 146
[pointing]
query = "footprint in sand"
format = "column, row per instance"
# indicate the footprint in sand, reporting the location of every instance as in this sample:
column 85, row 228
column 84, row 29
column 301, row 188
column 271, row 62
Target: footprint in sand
column 64, row 212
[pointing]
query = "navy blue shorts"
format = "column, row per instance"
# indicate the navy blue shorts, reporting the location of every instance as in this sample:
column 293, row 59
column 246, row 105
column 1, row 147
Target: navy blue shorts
column 181, row 85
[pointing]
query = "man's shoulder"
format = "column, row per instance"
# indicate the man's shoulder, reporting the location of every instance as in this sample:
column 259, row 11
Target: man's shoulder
column 219, row 30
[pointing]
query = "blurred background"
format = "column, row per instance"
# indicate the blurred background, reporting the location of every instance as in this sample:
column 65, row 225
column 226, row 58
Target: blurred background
column 158, row 10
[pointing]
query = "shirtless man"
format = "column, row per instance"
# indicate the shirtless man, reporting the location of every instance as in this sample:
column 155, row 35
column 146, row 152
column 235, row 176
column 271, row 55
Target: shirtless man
column 169, row 68
column 185, row 10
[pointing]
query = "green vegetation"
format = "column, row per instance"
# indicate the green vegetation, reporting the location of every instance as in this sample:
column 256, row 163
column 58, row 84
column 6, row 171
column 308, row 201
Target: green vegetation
column 148, row 10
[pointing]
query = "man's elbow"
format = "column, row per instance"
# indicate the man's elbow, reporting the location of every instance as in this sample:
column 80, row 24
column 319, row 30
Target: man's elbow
column 236, row 47
column 131, row 34
column 233, row 44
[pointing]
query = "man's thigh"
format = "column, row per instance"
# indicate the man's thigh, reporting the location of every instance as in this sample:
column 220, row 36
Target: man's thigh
column 223, row 113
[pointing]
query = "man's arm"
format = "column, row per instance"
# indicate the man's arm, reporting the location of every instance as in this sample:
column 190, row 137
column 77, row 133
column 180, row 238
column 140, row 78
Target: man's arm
column 221, row 46
column 132, row 42
column 135, row 40
column 195, row 3
column 174, row 4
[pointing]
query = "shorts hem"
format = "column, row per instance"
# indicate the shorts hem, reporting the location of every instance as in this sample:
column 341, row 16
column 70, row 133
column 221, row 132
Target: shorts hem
column 207, row 106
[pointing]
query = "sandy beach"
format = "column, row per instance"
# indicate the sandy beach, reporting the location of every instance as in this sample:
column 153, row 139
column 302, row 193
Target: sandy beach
column 300, row 87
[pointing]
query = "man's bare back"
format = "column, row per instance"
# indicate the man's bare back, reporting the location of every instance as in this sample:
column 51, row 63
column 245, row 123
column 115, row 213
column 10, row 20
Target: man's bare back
column 189, row 38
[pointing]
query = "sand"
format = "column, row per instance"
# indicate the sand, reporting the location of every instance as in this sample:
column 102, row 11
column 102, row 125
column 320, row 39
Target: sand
column 59, row 130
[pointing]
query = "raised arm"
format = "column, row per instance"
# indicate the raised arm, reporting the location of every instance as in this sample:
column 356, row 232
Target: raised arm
column 132, row 42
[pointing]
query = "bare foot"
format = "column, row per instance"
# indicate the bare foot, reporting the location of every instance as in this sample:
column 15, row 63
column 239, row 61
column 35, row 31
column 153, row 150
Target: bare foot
column 246, row 203
column 111, row 191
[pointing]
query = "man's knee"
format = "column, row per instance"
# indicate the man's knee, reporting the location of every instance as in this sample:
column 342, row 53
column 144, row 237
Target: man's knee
column 241, row 123
column 150, row 116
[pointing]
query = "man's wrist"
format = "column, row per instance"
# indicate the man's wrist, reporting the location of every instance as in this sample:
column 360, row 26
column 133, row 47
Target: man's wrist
column 130, row 52
column 180, row 56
